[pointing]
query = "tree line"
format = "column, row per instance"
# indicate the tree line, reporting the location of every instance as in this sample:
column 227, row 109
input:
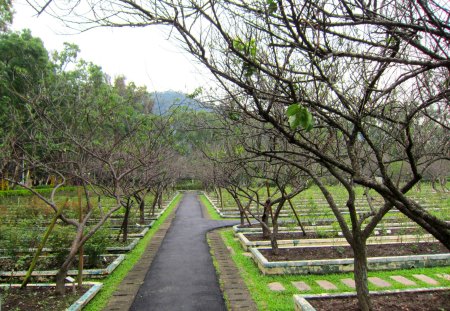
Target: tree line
column 348, row 92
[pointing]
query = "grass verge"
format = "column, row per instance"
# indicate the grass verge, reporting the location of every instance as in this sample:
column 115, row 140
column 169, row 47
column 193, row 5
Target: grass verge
column 269, row 300
column 211, row 211
column 218, row 272
column 111, row 283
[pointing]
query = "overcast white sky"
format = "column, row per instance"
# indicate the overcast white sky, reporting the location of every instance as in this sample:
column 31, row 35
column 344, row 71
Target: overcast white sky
column 143, row 55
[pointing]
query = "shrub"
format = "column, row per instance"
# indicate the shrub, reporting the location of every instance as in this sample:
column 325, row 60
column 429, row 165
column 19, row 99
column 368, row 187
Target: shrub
column 59, row 241
column 96, row 246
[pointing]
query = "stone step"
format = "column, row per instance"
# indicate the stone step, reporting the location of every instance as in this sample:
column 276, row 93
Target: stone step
column 349, row 282
column 426, row 279
column 326, row 285
column 403, row 280
column 301, row 286
column 444, row 276
column 379, row 282
column 276, row 287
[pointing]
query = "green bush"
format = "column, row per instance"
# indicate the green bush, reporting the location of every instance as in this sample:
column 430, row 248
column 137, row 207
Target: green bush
column 96, row 246
column 25, row 192
column 17, row 236
column 60, row 241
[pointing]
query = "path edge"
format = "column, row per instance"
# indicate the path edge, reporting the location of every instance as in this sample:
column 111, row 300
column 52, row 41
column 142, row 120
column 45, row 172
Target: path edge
column 124, row 295
column 236, row 293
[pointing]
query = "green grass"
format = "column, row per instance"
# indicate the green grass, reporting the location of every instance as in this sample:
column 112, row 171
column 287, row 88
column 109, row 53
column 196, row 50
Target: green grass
column 211, row 211
column 26, row 192
column 111, row 283
column 216, row 267
column 269, row 300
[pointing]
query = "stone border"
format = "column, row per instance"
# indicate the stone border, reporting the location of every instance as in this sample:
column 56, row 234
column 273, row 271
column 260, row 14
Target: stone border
column 327, row 266
column 301, row 301
column 337, row 241
column 134, row 237
column 94, row 273
column 140, row 234
column 83, row 300
column 235, row 291
column 124, row 295
column 213, row 205
column 257, row 228
column 79, row 303
column 124, row 249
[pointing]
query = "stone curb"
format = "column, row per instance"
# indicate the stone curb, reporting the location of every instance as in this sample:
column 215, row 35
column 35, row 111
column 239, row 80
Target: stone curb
column 302, row 304
column 234, row 288
column 79, row 303
column 335, row 241
column 92, row 273
column 123, row 297
column 326, row 266
column 83, row 300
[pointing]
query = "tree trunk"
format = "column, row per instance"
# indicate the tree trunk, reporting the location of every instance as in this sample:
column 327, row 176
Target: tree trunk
column 273, row 238
column 433, row 185
column 360, row 273
column 141, row 211
column 443, row 182
column 42, row 244
column 160, row 199
column 296, row 217
column 265, row 219
column 61, row 275
column 221, row 199
column 155, row 201
column 125, row 222
column 141, row 201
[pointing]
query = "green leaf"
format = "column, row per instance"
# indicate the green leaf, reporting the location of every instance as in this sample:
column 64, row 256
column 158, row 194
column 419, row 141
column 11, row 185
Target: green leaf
column 248, row 69
column 294, row 122
column 252, row 48
column 233, row 116
column 272, row 6
column 238, row 45
column 299, row 116
column 292, row 109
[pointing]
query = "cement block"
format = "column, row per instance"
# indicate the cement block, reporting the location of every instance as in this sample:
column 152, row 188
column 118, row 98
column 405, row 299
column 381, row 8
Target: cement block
column 403, row 280
column 276, row 287
column 302, row 286
column 379, row 282
column 426, row 279
column 349, row 282
column 326, row 285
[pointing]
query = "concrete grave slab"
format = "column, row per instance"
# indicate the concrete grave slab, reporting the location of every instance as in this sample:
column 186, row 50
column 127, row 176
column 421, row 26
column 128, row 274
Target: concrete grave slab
column 403, row 280
column 426, row 279
column 444, row 276
column 326, row 285
column 379, row 282
column 276, row 287
column 302, row 286
column 349, row 282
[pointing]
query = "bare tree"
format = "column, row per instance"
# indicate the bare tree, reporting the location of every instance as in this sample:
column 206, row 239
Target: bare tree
column 370, row 75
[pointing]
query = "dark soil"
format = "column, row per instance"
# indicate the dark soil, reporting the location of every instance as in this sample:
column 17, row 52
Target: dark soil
column 419, row 301
column 37, row 298
column 49, row 263
column 339, row 252
column 284, row 236
column 297, row 235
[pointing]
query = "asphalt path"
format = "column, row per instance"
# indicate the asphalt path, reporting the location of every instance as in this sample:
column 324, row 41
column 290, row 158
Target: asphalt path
column 182, row 275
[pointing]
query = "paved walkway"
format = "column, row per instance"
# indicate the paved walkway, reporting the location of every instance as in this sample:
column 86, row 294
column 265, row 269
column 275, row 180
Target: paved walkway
column 182, row 275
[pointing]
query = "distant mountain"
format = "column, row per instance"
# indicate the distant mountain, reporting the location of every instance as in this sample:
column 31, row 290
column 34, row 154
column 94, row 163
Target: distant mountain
column 163, row 101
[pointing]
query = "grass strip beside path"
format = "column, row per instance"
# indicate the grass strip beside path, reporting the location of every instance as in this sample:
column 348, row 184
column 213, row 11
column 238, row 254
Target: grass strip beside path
column 211, row 210
column 266, row 299
column 111, row 283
